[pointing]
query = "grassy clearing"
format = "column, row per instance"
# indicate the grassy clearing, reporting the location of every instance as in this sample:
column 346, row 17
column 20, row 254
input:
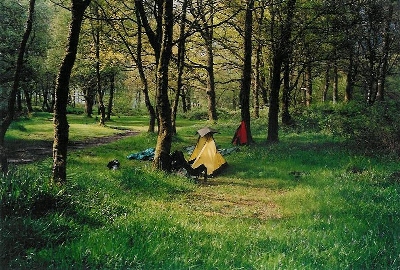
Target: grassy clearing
column 306, row 203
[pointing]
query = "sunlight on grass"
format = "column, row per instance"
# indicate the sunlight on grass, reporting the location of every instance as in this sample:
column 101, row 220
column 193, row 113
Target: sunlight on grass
column 305, row 203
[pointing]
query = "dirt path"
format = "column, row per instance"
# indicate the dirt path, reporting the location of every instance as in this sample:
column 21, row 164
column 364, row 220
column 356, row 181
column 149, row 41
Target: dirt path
column 23, row 153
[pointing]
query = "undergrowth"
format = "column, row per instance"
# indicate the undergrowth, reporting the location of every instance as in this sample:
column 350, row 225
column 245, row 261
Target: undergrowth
column 308, row 202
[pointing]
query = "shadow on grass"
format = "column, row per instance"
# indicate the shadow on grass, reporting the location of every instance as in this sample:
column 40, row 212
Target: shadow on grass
column 146, row 184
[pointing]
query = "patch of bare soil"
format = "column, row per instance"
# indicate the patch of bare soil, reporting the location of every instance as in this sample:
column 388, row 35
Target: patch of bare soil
column 23, row 152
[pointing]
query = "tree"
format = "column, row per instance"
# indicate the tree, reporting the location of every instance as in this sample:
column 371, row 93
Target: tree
column 259, row 74
column 161, row 42
column 127, row 38
column 204, row 14
column 247, row 68
column 180, row 65
column 143, row 78
column 280, row 52
column 8, row 117
column 164, row 139
column 60, row 122
column 96, row 28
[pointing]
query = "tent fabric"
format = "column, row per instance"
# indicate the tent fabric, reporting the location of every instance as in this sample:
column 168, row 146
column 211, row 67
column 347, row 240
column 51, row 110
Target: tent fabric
column 206, row 153
column 240, row 136
column 147, row 154
column 206, row 130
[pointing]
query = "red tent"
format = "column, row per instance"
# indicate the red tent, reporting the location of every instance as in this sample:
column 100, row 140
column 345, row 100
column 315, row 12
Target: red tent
column 240, row 136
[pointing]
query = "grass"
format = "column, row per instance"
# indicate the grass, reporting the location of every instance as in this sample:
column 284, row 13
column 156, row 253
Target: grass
column 309, row 202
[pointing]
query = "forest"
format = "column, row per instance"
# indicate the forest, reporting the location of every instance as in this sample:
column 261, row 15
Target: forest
column 283, row 56
column 293, row 71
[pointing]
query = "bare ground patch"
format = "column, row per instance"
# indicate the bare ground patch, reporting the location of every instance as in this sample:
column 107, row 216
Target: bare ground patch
column 23, row 152
column 255, row 202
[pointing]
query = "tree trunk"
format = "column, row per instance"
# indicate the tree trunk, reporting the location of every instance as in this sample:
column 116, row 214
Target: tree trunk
column 273, row 113
column 8, row 118
column 61, row 127
column 286, row 118
column 19, row 101
column 111, row 98
column 45, row 103
column 28, row 101
column 145, row 90
column 246, row 75
column 380, row 95
column 184, row 99
column 181, row 62
column 327, row 82
column 207, row 32
column 280, row 52
column 89, row 94
column 335, row 87
column 163, row 147
column 265, row 89
column 212, row 109
column 350, row 78
column 257, row 82
column 259, row 77
column 96, row 28
column 309, row 85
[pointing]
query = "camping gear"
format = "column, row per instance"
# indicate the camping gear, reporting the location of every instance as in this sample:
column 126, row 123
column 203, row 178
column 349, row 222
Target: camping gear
column 240, row 137
column 147, row 154
column 179, row 162
column 113, row 164
column 206, row 153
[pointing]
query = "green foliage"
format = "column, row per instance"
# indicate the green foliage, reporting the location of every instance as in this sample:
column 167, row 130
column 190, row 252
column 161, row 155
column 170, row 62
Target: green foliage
column 368, row 128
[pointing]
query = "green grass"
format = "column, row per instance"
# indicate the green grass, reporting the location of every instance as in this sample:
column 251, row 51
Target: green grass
column 308, row 202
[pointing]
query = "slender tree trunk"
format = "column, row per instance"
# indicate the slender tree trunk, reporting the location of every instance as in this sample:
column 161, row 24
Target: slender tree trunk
column 327, row 82
column 188, row 98
column 280, row 53
column 246, row 75
column 259, row 77
column 371, row 79
column 61, row 127
column 184, row 98
column 89, row 94
column 142, row 75
column 164, row 139
column 19, row 101
column 273, row 114
column 380, row 95
column 181, row 62
column 28, row 101
column 263, row 84
column 45, row 103
column 286, row 118
column 212, row 108
column 207, row 33
column 111, row 97
column 309, row 85
column 100, row 95
column 257, row 82
column 350, row 78
column 96, row 29
column 9, row 115
column 335, row 87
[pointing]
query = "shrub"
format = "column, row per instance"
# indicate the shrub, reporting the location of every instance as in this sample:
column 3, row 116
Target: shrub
column 369, row 128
